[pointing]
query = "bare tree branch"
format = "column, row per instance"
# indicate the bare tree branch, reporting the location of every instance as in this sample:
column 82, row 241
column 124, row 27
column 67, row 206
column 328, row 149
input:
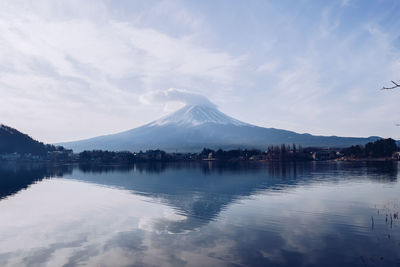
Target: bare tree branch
column 389, row 88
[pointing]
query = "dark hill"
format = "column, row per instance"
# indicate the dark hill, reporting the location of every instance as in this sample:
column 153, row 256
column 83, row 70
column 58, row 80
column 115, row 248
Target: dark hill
column 12, row 140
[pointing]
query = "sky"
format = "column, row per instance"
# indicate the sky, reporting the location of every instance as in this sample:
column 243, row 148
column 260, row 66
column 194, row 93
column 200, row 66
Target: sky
column 77, row 69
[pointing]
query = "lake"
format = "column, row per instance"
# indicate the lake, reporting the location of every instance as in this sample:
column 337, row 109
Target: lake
column 201, row 214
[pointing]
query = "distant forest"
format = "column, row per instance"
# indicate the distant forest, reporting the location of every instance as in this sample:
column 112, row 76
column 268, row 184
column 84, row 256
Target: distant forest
column 384, row 148
column 379, row 149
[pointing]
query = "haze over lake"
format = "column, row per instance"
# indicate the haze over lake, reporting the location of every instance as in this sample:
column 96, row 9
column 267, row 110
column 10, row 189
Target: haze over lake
column 304, row 214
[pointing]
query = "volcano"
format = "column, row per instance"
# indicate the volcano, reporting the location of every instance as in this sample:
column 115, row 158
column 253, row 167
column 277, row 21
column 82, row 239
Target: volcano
column 194, row 127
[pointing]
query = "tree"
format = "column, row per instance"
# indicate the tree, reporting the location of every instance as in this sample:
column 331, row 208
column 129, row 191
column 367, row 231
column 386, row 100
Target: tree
column 378, row 149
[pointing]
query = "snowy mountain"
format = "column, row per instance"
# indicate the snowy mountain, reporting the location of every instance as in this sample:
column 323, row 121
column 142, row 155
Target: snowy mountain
column 195, row 115
column 196, row 126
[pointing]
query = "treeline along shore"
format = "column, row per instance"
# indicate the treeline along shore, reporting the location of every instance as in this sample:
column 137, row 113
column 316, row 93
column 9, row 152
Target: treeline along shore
column 383, row 149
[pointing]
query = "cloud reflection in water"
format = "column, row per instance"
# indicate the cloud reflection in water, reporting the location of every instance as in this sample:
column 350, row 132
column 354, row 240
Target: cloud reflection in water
column 196, row 215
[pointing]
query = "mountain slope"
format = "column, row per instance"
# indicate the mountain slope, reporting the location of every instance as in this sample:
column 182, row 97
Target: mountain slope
column 194, row 127
column 11, row 140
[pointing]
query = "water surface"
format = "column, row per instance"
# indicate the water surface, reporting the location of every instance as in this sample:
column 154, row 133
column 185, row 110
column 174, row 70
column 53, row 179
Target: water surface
column 308, row 214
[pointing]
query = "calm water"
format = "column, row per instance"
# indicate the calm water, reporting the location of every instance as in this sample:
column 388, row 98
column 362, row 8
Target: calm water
column 311, row 214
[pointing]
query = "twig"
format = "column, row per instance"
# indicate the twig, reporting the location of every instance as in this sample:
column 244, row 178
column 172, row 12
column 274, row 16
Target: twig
column 389, row 88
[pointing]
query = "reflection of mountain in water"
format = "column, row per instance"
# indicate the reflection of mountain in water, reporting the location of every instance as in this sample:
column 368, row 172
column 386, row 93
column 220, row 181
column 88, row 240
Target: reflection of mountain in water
column 201, row 191
column 195, row 191
column 15, row 177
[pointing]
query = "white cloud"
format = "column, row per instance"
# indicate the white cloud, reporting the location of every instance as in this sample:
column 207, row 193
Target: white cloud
column 52, row 64
column 268, row 67
column 345, row 3
column 176, row 95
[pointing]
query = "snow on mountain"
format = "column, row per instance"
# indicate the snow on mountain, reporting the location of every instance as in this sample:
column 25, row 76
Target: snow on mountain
column 197, row 126
column 194, row 115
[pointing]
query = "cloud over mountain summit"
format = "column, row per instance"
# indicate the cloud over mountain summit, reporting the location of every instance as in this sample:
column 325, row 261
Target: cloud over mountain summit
column 176, row 95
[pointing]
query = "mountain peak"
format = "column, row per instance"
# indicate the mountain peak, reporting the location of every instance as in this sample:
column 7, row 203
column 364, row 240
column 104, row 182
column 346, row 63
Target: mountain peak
column 194, row 127
column 194, row 115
